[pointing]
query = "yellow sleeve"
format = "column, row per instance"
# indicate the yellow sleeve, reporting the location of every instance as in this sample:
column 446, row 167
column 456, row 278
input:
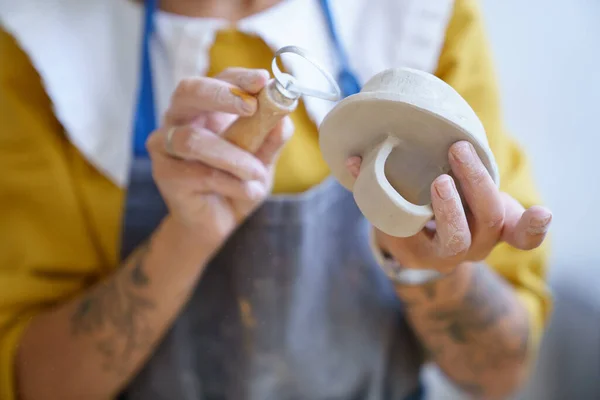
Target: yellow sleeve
column 466, row 64
column 46, row 250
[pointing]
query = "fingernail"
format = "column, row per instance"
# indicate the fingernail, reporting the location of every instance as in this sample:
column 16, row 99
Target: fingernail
column 444, row 187
column 258, row 173
column 244, row 101
column 463, row 152
column 538, row 226
column 255, row 190
column 254, row 79
column 431, row 225
column 252, row 171
column 288, row 128
column 263, row 75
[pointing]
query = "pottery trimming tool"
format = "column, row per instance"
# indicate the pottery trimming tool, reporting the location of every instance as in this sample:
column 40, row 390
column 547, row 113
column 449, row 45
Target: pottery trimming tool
column 277, row 99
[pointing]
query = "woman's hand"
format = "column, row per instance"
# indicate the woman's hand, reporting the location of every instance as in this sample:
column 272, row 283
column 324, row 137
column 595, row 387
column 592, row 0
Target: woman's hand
column 457, row 236
column 209, row 184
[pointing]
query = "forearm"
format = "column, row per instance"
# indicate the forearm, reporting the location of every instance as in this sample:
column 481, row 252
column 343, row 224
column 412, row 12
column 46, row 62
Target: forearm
column 474, row 327
column 91, row 346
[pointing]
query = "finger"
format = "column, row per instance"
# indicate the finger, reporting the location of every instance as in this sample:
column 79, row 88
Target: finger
column 525, row 229
column 194, row 96
column 353, row 165
column 431, row 226
column 215, row 122
column 453, row 237
column 274, row 142
column 417, row 251
column 249, row 80
column 193, row 144
column 229, row 186
column 444, row 240
column 200, row 178
column 480, row 192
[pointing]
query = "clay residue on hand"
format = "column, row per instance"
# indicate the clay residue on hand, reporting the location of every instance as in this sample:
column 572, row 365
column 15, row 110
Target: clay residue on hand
column 247, row 314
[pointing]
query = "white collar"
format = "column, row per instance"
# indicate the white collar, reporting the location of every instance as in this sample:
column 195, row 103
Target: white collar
column 87, row 54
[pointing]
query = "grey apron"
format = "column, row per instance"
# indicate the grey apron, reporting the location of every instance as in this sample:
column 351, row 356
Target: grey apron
column 293, row 307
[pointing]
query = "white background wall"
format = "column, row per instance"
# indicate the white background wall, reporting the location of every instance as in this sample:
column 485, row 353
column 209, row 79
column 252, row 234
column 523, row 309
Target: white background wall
column 548, row 57
column 547, row 54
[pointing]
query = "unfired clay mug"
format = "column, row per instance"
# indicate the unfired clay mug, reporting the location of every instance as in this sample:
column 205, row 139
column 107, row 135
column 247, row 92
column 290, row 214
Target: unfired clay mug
column 402, row 124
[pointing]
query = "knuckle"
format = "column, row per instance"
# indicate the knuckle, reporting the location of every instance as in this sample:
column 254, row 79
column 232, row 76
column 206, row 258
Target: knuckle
column 287, row 131
column 151, row 142
column 495, row 220
column 247, row 165
column 192, row 139
column 185, row 86
column 221, row 95
column 254, row 191
column 245, row 78
column 250, row 77
column 477, row 175
column 457, row 244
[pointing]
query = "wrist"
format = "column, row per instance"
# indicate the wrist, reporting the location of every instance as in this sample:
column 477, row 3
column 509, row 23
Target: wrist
column 406, row 276
column 398, row 273
column 184, row 241
column 443, row 292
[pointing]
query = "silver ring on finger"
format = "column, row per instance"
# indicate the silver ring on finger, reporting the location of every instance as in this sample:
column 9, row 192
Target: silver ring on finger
column 169, row 143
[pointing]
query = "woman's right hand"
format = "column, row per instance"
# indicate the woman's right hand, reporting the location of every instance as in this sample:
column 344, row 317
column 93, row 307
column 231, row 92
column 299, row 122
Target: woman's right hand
column 209, row 184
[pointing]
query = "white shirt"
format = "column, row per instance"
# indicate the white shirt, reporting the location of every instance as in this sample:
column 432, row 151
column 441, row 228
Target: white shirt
column 87, row 53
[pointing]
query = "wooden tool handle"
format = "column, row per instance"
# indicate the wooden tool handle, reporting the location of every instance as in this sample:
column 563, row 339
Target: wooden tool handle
column 249, row 133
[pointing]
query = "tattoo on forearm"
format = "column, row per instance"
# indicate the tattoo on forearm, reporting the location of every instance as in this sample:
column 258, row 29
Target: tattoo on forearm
column 483, row 305
column 429, row 289
column 479, row 334
column 115, row 314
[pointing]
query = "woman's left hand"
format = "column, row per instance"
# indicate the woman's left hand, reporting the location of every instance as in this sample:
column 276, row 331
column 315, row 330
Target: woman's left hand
column 457, row 236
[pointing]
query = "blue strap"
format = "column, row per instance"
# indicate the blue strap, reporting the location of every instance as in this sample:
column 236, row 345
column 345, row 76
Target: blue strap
column 346, row 79
column 145, row 121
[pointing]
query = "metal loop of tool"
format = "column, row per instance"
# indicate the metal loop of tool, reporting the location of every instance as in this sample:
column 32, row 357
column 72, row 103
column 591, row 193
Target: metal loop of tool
column 288, row 85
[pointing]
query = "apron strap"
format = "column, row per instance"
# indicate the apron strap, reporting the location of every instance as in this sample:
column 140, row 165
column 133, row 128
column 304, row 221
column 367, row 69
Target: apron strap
column 145, row 116
column 346, row 78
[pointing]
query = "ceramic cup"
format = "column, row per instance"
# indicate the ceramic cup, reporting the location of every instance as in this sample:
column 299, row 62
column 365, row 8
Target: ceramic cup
column 402, row 124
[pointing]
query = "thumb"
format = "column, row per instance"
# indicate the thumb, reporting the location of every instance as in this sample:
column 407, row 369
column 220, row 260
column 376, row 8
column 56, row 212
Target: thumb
column 275, row 140
column 525, row 229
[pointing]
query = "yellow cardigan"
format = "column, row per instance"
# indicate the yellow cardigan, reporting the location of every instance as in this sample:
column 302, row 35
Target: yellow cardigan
column 60, row 218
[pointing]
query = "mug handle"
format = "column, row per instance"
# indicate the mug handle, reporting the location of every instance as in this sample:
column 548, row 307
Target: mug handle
column 380, row 203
